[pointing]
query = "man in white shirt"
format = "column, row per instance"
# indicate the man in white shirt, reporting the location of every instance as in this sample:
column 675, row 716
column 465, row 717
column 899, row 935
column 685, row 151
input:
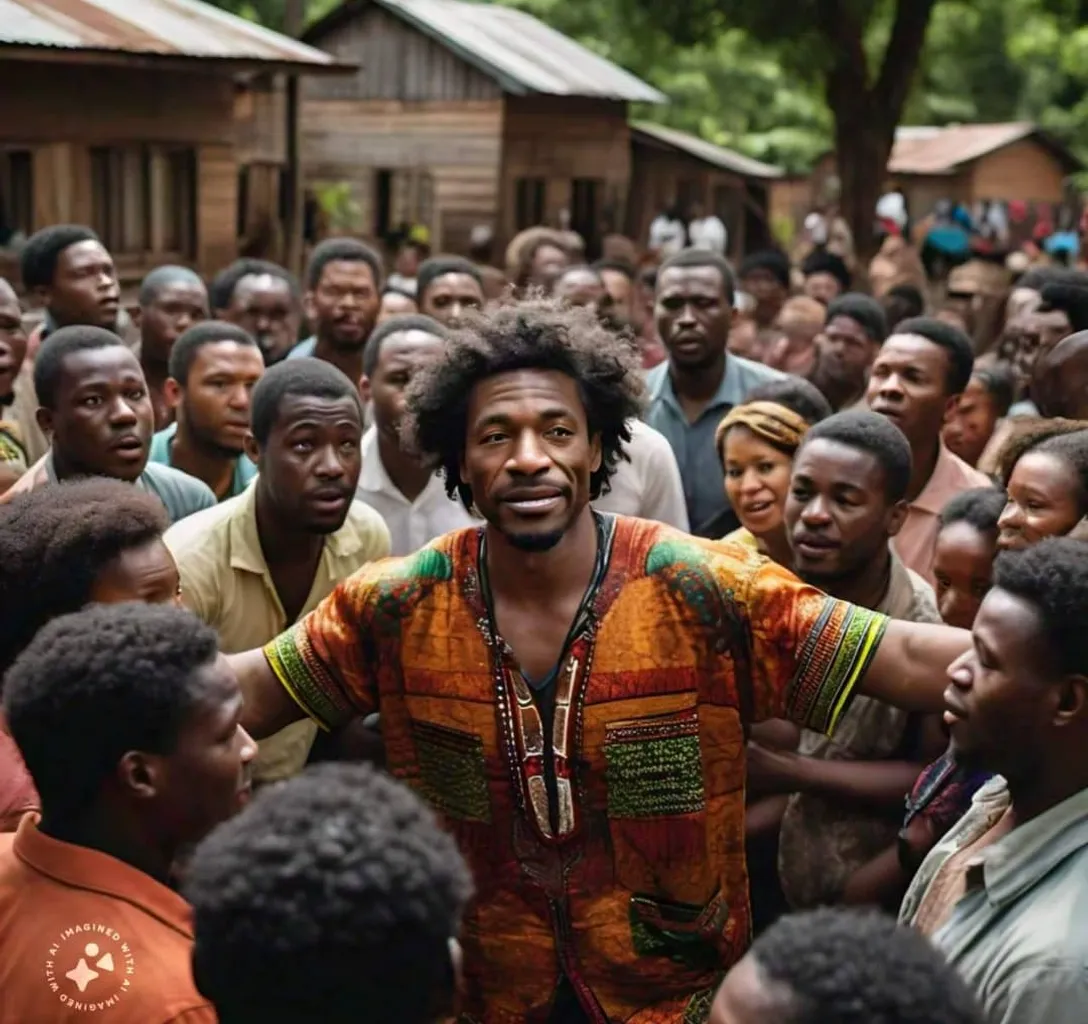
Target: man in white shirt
column 408, row 495
column 707, row 231
column 667, row 234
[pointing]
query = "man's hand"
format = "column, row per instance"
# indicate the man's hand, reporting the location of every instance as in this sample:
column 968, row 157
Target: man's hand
column 772, row 772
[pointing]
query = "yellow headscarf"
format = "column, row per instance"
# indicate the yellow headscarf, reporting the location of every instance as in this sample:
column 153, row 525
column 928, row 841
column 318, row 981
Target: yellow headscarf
column 769, row 421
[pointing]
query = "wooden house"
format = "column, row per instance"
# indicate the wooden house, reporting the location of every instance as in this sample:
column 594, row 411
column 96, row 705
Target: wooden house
column 466, row 116
column 143, row 118
column 670, row 166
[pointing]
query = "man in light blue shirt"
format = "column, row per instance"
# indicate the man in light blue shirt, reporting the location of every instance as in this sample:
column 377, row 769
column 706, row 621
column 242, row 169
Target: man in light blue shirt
column 701, row 381
column 213, row 370
column 1005, row 894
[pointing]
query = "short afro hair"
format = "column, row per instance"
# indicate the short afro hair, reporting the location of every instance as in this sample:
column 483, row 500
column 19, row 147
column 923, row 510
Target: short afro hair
column 980, row 507
column 774, row 261
column 343, row 250
column 998, row 383
column 616, row 267
column 1068, row 298
column 306, row 376
column 210, row 332
column 859, row 967
column 58, row 346
column 225, row 283
column 54, row 543
column 98, row 683
column 865, row 311
column 688, row 258
column 165, row 277
column 879, row 437
column 332, row 894
column 820, row 261
column 397, row 325
column 439, row 266
column 533, row 335
column 794, row 393
column 956, row 345
column 902, row 302
column 1052, row 576
column 38, row 260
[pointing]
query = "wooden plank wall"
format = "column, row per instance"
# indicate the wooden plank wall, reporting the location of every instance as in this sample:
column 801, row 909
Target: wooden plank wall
column 559, row 139
column 397, row 63
column 457, row 144
column 1025, row 170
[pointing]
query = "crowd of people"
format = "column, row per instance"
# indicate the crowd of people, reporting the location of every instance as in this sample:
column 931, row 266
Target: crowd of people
column 522, row 653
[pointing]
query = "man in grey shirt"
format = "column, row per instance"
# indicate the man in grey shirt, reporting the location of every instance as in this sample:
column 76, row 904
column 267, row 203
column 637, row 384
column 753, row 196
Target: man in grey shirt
column 96, row 408
column 701, row 381
column 1004, row 895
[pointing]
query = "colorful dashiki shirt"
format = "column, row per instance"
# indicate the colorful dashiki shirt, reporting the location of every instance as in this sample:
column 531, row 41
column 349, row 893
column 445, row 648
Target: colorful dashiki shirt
column 608, row 846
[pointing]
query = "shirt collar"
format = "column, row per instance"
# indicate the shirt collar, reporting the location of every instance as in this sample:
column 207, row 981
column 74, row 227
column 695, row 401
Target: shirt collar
column 1031, row 851
column 731, row 390
column 943, row 482
column 373, row 477
column 83, row 868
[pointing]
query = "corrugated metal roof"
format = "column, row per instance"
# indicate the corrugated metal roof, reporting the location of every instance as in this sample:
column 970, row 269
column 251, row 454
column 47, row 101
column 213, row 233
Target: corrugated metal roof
column 926, row 150
column 521, row 53
column 719, row 156
column 171, row 28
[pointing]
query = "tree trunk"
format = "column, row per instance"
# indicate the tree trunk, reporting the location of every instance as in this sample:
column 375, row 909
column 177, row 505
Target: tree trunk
column 863, row 145
column 294, row 18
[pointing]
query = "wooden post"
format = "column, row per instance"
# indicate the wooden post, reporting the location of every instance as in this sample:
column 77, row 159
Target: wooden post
column 293, row 179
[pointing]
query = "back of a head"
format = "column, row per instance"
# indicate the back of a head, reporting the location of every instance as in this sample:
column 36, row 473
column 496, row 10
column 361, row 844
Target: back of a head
column 166, row 277
column 1059, row 377
column 794, row 393
column 869, row 432
column 820, row 261
column 335, row 897
column 980, row 507
column 902, row 302
column 49, row 363
column 800, row 309
column 1068, row 298
column 838, row 966
column 56, row 540
column 401, row 324
column 306, row 376
column 773, row 261
column 439, row 266
column 38, row 259
column 864, row 310
column 956, row 344
column 96, row 684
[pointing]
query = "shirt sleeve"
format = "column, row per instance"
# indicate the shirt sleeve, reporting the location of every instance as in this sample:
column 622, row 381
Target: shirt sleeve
column 808, row 650
column 663, row 492
column 322, row 660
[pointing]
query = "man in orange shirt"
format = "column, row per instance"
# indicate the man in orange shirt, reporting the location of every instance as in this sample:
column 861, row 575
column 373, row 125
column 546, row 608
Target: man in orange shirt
column 128, row 719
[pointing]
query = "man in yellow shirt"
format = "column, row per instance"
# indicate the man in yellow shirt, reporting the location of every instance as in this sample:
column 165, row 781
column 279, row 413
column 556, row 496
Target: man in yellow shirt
column 257, row 563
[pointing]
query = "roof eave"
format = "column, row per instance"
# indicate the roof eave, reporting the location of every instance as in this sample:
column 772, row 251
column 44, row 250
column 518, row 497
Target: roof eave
column 206, row 64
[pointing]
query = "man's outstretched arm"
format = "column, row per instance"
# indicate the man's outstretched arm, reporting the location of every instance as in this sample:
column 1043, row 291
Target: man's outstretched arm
column 268, row 706
column 910, row 666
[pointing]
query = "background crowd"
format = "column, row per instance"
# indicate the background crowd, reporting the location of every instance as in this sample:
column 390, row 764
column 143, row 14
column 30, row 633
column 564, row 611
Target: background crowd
column 190, row 478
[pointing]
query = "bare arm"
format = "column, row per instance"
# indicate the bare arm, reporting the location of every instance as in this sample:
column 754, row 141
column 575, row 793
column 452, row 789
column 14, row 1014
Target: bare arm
column 910, row 667
column 881, row 882
column 268, row 706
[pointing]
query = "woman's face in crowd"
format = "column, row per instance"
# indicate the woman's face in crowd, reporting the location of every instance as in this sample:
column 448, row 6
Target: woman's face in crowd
column 1044, row 501
column 757, row 480
column 963, row 566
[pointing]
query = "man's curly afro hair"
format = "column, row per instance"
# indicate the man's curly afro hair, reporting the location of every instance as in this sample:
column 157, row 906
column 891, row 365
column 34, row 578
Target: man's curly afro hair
column 861, row 967
column 96, row 684
column 55, row 541
column 530, row 335
column 332, row 897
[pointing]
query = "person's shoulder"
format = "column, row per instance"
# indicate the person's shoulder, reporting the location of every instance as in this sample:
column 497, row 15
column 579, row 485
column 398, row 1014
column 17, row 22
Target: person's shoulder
column 159, row 451
column 204, row 528
column 670, row 551
column 752, row 373
column 655, row 379
column 967, row 474
column 365, row 530
column 303, row 348
column 174, row 481
column 647, row 443
column 435, row 562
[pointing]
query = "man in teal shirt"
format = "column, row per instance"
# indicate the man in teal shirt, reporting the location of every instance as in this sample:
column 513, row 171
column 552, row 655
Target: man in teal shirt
column 213, row 369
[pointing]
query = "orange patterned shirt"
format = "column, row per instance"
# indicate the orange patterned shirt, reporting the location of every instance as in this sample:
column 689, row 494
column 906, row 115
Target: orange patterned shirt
column 611, row 851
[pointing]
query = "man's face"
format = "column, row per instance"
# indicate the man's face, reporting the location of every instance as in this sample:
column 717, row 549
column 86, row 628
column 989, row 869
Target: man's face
column 528, row 455
column 175, row 308
column 12, row 342
column 1004, row 695
column 395, row 304
column 909, row 386
column 548, row 262
column 103, row 419
column 971, row 424
column 846, row 352
column 838, row 516
column 963, row 560
column 449, row 297
column 621, row 290
column 206, row 778
column 1041, row 332
column 400, row 358
column 146, row 573
column 310, row 466
column 343, row 307
column 693, row 315
column 214, row 403
column 1044, row 500
column 583, row 287
column 264, row 306
column 824, row 288
column 85, row 288
column 769, row 293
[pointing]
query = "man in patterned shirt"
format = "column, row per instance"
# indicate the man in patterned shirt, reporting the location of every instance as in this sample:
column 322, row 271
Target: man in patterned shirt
column 570, row 690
